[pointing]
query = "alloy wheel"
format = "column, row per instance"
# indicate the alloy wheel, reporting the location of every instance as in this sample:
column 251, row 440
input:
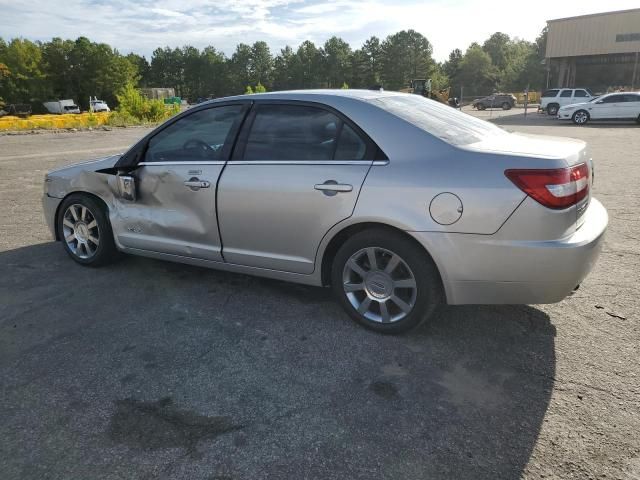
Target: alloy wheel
column 580, row 117
column 80, row 231
column 379, row 285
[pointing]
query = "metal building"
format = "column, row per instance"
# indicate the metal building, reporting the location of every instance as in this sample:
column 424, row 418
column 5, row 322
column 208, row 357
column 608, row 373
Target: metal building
column 600, row 51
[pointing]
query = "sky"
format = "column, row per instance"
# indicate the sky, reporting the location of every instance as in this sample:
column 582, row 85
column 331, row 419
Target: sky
column 140, row 26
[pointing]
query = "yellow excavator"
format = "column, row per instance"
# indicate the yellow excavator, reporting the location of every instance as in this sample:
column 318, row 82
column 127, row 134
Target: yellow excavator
column 422, row 87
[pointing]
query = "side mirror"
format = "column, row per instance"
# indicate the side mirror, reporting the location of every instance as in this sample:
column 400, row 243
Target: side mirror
column 127, row 187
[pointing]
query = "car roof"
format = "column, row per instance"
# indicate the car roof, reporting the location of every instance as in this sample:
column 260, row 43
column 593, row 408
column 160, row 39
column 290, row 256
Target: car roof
column 319, row 95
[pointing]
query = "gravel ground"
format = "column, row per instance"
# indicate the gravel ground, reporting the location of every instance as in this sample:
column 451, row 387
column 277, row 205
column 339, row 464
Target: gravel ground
column 146, row 369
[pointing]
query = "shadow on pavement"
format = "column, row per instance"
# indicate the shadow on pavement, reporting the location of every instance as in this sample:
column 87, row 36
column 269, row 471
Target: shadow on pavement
column 146, row 369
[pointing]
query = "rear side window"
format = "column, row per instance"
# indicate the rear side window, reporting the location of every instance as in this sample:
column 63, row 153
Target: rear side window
column 300, row 132
column 566, row 93
column 550, row 93
column 437, row 119
column 613, row 99
column 580, row 93
column 632, row 98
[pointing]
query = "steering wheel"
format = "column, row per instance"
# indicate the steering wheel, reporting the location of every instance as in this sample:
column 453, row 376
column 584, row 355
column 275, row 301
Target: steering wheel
column 203, row 148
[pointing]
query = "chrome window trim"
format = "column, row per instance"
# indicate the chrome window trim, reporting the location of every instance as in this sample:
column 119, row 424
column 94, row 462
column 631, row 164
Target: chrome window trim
column 215, row 162
column 301, row 162
column 274, row 162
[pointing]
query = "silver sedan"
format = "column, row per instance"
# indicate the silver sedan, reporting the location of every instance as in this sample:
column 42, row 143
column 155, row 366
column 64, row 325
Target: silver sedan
column 397, row 202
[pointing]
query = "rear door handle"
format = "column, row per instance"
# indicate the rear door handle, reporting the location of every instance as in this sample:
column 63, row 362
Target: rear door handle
column 195, row 184
column 331, row 186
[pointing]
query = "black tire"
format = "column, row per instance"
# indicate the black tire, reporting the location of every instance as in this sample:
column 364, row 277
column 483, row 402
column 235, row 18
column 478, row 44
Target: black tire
column 580, row 117
column 552, row 109
column 506, row 106
column 480, row 106
column 638, row 120
column 427, row 293
column 105, row 251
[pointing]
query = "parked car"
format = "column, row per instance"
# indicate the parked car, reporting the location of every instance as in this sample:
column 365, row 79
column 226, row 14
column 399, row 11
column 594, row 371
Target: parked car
column 62, row 106
column 613, row 106
column 505, row 101
column 98, row 105
column 552, row 100
column 398, row 202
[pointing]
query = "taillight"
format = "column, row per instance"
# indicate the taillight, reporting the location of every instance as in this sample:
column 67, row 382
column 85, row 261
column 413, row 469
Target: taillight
column 556, row 188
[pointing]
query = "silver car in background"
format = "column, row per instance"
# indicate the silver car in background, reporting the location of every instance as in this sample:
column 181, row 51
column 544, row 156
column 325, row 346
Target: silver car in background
column 397, row 202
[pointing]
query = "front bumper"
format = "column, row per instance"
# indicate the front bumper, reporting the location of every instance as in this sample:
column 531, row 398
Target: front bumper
column 565, row 115
column 50, row 207
column 490, row 269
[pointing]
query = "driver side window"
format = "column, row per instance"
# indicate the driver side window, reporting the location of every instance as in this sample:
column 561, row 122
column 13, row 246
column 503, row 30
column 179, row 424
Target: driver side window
column 198, row 137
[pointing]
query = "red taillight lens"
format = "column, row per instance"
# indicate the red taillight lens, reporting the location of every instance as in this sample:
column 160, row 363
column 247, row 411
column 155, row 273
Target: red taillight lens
column 556, row 188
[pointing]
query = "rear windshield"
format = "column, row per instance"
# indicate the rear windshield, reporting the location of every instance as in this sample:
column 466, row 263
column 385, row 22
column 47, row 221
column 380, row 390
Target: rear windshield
column 441, row 121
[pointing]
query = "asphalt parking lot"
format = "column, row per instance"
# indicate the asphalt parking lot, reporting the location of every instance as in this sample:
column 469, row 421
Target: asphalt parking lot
column 146, row 369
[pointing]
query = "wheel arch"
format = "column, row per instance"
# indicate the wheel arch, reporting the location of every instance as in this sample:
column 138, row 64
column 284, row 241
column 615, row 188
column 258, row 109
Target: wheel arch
column 95, row 197
column 342, row 235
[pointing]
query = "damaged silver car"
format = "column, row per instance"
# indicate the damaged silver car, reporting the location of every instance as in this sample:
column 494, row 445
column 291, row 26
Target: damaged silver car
column 395, row 201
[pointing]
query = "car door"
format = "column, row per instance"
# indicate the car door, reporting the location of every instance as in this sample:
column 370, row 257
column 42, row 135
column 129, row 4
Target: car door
column 630, row 109
column 565, row 97
column 607, row 107
column 175, row 209
column 297, row 172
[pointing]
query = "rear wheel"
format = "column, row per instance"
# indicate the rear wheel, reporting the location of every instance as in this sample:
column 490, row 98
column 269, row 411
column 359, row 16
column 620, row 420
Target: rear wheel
column 552, row 109
column 580, row 117
column 506, row 106
column 480, row 106
column 385, row 281
column 85, row 231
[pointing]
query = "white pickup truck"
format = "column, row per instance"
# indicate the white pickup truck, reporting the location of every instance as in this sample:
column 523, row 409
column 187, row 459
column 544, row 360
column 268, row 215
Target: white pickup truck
column 552, row 100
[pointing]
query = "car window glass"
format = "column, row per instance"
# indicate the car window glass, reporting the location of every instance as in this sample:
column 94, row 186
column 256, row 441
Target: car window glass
column 350, row 145
column 613, row 99
column 439, row 120
column 292, row 132
column 196, row 137
column 566, row 93
column 633, row 98
column 550, row 93
column 580, row 93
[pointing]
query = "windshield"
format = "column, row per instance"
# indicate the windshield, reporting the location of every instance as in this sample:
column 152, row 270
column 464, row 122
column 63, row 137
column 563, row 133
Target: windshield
column 441, row 121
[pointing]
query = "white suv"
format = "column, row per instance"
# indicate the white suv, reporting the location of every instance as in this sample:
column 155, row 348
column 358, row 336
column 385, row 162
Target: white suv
column 552, row 100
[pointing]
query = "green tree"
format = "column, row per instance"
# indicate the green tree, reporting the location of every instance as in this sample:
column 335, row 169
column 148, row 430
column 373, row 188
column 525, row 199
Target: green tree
column 260, row 66
column 307, row 66
column 260, row 88
column 336, row 59
column 283, row 66
column 499, row 48
column 240, row 66
column 477, row 73
column 406, row 55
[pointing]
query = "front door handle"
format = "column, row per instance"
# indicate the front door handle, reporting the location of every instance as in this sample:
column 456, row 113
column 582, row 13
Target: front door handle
column 196, row 184
column 331, row 187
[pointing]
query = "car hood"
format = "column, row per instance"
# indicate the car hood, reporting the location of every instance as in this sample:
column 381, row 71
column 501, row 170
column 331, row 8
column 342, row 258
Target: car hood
column 526, row 145
column 89, row 166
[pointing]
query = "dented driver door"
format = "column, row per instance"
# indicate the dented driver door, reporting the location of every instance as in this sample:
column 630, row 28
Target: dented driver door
column 175, row 209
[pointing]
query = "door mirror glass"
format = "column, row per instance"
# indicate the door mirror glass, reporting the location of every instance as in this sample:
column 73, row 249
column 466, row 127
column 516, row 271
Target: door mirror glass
column 127, row 187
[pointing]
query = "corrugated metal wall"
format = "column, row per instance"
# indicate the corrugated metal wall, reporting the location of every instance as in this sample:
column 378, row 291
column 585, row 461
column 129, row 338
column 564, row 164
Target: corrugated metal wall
column 593, row 34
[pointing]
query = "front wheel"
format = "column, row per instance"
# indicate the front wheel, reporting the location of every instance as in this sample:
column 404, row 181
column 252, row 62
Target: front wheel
column 85, row 231
column 580, row 117
column 385, row 281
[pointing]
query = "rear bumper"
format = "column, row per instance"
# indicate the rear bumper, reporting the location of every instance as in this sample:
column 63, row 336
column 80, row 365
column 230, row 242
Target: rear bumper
column 490, row 269
column 49, row 207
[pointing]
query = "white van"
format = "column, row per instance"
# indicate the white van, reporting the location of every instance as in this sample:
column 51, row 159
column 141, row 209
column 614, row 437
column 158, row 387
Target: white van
column 552, row 100
column 62, row 106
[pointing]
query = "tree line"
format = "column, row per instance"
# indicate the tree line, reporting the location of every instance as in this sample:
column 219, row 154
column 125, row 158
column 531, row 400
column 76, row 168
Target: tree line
column 32, row 72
